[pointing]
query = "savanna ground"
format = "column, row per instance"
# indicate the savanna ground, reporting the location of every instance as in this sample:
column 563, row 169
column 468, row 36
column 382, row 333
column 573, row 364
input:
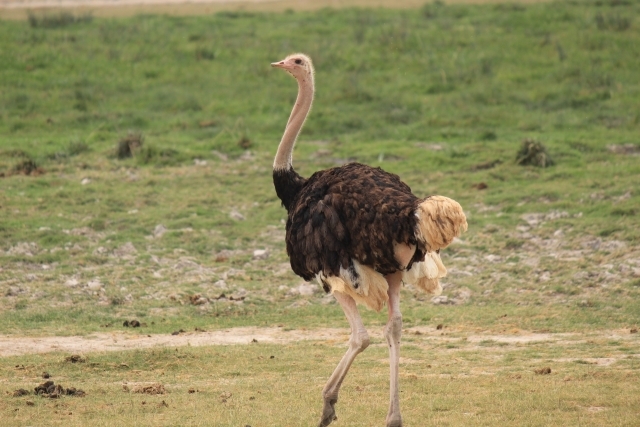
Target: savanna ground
column 135, row 157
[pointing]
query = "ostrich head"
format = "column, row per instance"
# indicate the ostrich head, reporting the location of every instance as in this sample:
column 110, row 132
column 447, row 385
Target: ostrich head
column 298, row 65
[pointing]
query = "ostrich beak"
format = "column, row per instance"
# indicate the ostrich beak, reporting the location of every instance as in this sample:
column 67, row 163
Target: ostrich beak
column 278, row 64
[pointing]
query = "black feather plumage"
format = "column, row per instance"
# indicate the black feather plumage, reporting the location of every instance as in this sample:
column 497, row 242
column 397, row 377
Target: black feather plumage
column 351, row 212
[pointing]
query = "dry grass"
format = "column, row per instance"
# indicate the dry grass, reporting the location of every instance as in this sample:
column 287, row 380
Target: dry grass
column 182, row 8
column 454, row 379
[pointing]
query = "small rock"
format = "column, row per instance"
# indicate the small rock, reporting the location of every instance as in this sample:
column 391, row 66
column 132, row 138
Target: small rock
column 94, row 285
column 125, row 250
column 220, row 284
column 85, row 181
column 235, row 215
column 72, row 283
column 442, row 300
column 260, row 254
column 306, row 289
column 100, row 250
column 159, row 231
column 462, row 295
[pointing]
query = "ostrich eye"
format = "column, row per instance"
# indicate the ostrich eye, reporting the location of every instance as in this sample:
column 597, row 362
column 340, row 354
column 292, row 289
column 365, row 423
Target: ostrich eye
column 298, row 61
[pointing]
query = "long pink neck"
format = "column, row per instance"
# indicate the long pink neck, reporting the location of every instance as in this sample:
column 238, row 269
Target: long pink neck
column 284, row 156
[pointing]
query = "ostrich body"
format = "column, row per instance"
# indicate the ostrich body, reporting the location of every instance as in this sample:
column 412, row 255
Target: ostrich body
column 360, row 232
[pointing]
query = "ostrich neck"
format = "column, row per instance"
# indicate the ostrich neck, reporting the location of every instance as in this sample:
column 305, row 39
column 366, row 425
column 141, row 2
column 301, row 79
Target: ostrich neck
column 284, row 156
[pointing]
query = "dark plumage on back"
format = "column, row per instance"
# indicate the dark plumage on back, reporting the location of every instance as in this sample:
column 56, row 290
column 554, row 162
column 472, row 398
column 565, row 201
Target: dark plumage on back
column 352, row 212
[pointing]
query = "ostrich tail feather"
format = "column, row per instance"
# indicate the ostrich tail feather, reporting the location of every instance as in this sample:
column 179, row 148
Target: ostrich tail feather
column 368, row 287
column 440, row 220
column 426, row 274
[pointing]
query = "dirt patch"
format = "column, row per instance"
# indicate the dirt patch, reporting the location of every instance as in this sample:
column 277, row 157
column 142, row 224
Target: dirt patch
column 600, row 361
column 18, row 9
column 518, row 339
column 15, row 346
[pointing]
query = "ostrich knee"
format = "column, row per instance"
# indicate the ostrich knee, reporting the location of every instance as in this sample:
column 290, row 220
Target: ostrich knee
column 393, row 330
column 359, row 342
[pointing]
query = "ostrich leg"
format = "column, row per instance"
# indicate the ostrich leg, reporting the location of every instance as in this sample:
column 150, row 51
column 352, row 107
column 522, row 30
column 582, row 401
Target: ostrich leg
column 357, row 343
column 393, row 332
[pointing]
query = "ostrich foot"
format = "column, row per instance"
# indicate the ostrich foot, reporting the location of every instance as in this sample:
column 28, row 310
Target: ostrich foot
column 328, row 413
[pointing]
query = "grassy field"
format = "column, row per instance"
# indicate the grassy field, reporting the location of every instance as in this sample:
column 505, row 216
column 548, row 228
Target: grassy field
column 188, row 233
column 280, row 385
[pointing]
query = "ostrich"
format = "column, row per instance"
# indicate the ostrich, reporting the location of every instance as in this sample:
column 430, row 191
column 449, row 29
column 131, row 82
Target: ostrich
column 360, row 232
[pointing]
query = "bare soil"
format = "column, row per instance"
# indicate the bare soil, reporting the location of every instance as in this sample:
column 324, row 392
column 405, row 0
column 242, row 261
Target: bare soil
column 16, row 346
column 18, row 9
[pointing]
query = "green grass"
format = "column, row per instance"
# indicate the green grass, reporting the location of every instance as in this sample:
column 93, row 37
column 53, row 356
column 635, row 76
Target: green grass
column 434, row 94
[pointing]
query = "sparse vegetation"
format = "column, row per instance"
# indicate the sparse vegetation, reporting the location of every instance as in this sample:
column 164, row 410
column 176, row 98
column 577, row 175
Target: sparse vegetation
column 129, row 145
column 57, row 20
column 533, row 153
column 268, row 385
